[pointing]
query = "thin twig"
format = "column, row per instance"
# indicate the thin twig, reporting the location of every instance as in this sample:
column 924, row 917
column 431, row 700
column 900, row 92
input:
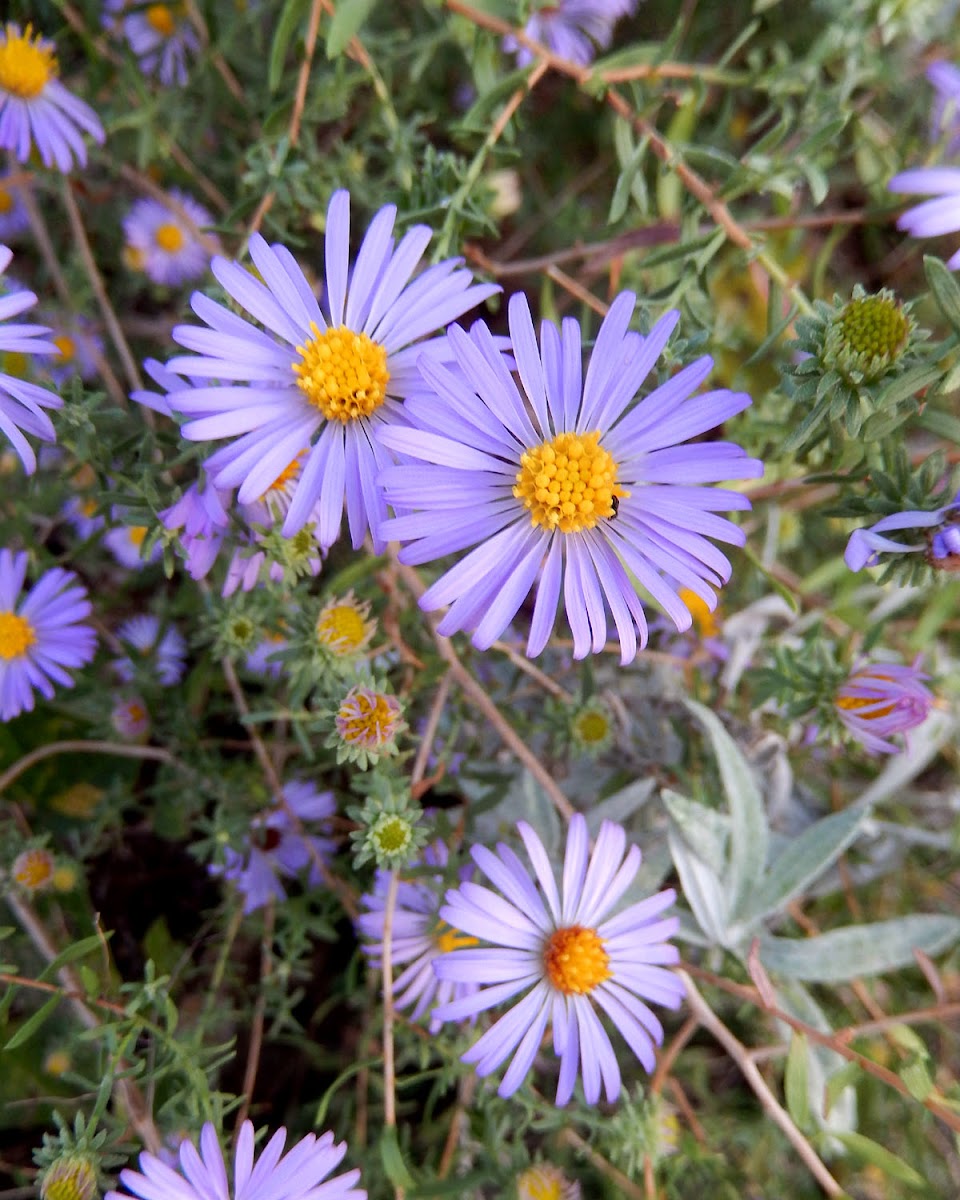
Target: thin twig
column 259, row 1013
column 430, row 731
column 116, row 749
column 771, row 1105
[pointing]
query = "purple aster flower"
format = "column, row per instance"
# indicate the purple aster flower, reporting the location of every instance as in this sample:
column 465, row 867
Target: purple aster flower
column 163, row 240
column 22, row 403
column 160, row 35
column 77, row 347
column 201, row 519
column 203, row 1176
column 567, row 954
column 933, row 217
column 561, row 485
column 263, row 660
column 130, row 717
column 13, row 212
column 572, row 29
column 881, row 699
column 125, row 543
column 163, row 651
column 945, row 115
column 318, row 380
column 866, row 545
column 35, row 108
column 419, row 936
column 81, row 512
column 40, row 635
column 275, row 847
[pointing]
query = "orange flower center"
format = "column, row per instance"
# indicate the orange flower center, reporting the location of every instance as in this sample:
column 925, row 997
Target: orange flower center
column 575, row 960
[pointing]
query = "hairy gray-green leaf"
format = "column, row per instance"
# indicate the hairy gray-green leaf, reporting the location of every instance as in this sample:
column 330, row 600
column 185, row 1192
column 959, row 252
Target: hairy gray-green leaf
column 701, row 889
column 705, row 830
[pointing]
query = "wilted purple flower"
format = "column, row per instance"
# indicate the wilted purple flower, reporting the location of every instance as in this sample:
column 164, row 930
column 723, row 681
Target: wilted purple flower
column 35, row 108
column 561, row 485
column 567, row 954
column 163, row 651
column 163, row 240
column 276, row 848
column 81, row 512
column 199, row 516
column 203, row 1176
column 419, row 935
column 316, row 382
column 933, row 217
column 22, row 403
column 881, row 699
column 40, row 635
column 572, row 29
column 945, row 115
column 130, row 717
column 866, row 545
column 160, row 35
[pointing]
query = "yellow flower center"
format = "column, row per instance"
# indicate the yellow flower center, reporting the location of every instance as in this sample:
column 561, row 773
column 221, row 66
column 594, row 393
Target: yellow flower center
column 136, row 534
column 290, row 471
column 16, row 636
column 575, row 960
column 15, row 362
column 541, row 1183
column 6, row 201
column 67, row 347
column 852, row 703
column 391, row 834
column 27, row 63
column 367, row 717
column 448, row 938
column 874, row 326
column 161, row 19
column 33, row 869
column 169, row 237
column 592, row 726
column 69, row 1180
column 568, row 484
column 342, row 373
column 341, row 629
column 705, row 622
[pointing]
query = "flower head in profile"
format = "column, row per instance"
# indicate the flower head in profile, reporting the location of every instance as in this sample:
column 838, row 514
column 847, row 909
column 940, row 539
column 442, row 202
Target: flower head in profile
column 160, row 651
column 546, row 1182
column 36, row 110
column 562, row 485
column 160, row 35
column 42, row 634
column 279, row 846
column 568, row 952
column 935, row 217
column 299, row 1175
column 166, row 241
column 572, row 29
column 881, row 699
column 13, row 212
column 368, row 721
column 344, row 628
column 866, row 545
column 22, row 403
column 319, row 381
column 418, row 935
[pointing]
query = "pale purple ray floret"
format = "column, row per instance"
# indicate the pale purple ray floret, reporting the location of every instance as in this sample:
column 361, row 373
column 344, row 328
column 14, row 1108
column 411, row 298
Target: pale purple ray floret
column 865, row 546
column 935, row 217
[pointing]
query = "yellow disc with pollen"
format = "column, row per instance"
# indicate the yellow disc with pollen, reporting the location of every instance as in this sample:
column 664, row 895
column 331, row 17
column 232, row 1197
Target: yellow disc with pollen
column 448, row 938
column 341, row 628
column 160, row 18
column 67, row 347
column 16, row 636
column 575, row 960
column 169, row 237
column 342, row 373
column 569, row 483
column 26, row 64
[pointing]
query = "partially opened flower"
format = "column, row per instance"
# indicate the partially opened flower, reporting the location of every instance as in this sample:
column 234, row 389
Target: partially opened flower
column 881, row 699
column 418, row 936
column 42, row 635
column 572, row 29
column 160, row 35
column 164, row 239
column 562, row 485
column 299, row 1175
column 933, row 217
column 278, row 847
column 546, row 1182
column 866, row 545
column 161, row 650
column 201, row 520
column 566, row 953
column 36, row 110
column 317, row 380
column 22, row 404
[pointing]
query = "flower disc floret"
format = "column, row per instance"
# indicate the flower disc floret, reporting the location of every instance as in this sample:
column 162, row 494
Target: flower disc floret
column 27, row 63
column 874, row 325
column 160, row 18
column 17, row 635
column 33, row 869
column 568, row 483
column 342, row 373
column 575, row 960
column 368, row 719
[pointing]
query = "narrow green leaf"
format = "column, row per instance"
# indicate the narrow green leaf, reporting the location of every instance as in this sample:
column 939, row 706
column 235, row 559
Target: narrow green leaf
column 749, row 834
column 859, row 949
column 79, row 949
column 946, row 290
column 795, row 1081
column 916, row 1075
column 838, row 1083
column 880, row 1157
column 392, row 1157
column 804, row 859
column 347, row 20
column 290, row 17
column 32, row 1024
